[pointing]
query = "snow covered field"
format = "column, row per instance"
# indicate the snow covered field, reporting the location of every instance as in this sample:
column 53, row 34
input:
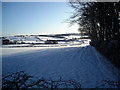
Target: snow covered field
column 80, row 63
column 41, row 39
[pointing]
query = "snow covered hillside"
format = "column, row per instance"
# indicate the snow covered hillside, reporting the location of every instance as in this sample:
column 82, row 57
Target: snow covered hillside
column 80, row 63
column 60, row 39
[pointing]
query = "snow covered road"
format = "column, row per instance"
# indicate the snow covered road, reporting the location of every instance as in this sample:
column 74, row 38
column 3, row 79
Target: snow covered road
column 82, row 64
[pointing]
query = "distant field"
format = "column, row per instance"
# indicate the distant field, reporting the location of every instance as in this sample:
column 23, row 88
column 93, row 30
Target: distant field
column 43, row 39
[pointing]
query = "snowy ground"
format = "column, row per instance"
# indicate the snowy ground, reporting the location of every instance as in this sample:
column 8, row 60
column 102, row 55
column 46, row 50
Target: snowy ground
column 80, row 63
column 41, row 39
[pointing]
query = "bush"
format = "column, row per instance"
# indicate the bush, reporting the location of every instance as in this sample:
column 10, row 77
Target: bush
column 20, row 80
column 109, row 49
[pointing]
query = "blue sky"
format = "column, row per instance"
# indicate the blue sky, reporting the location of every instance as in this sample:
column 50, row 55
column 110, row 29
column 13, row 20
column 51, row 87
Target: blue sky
column 36, row 18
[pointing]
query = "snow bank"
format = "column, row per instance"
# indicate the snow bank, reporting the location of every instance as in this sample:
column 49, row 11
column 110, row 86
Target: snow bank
column 82, row 64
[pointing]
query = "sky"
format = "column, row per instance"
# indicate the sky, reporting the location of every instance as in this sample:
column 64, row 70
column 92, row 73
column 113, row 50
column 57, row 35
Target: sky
column 0, row 19
column 36, row 18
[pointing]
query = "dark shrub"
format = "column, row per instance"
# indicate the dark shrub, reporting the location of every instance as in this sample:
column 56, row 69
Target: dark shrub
column 110, row 49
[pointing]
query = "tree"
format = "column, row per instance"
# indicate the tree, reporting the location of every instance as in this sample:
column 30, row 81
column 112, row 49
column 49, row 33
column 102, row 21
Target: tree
column 98, row 19
column 101, row 21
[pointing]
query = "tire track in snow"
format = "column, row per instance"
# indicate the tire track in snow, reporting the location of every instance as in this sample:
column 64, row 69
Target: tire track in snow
column 89, row 56
column 101, row 66
column 80, row 63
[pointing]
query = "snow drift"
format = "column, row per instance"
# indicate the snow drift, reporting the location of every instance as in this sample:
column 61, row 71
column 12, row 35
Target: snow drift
column 82, row 64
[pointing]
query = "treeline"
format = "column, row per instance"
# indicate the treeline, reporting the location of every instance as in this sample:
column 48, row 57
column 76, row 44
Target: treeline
column 101, row 21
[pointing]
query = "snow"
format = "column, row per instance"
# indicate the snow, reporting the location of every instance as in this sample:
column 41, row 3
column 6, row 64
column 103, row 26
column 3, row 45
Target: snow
column 72, row 36
column 30, row 39
column 22, row 38
column 81, row 63
column 42, row 44
column 15, row 45
column 50, row 38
